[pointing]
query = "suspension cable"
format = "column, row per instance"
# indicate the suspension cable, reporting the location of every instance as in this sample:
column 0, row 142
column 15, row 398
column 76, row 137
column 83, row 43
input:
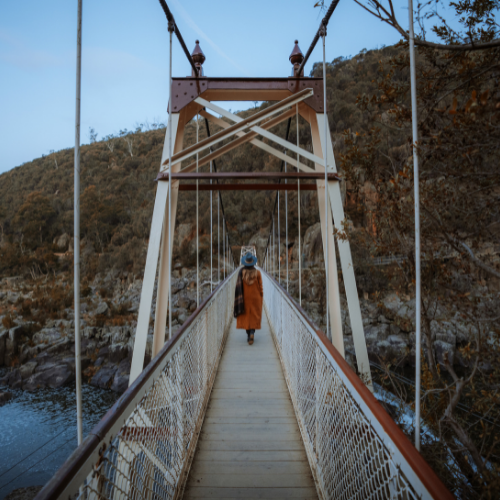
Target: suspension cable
column 211, row 239
column 171, row 19
column 197, row 224
column 218, row 238
column 323, row 35
column 298, row 202
column 279, row 242
column 324, row 22
column 286, row 229
column 171, row 26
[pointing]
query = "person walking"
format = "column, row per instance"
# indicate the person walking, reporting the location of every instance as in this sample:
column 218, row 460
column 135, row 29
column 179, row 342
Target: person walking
column 248, row 297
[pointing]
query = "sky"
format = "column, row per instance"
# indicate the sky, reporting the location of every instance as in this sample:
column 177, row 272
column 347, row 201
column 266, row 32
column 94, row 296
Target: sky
column 125, row 59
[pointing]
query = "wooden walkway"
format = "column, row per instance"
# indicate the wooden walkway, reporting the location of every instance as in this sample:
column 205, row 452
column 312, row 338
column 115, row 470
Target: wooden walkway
column 250, row 445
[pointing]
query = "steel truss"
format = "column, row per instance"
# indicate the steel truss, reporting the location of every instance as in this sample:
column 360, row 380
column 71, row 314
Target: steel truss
column 304, row 94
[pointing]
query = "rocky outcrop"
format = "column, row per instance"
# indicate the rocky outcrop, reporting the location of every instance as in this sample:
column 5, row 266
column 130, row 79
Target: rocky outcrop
column 46, row 358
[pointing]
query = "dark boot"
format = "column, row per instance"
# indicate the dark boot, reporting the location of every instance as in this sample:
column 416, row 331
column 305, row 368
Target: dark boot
column 250, row 337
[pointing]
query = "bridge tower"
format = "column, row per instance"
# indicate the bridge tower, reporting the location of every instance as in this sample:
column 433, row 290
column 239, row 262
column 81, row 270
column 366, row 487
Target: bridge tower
column 293, row 95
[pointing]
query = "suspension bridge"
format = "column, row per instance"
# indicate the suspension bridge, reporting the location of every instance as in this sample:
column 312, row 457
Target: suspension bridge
column 210, row 417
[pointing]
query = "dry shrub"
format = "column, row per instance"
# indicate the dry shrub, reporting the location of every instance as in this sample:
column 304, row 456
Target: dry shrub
column 8, row 322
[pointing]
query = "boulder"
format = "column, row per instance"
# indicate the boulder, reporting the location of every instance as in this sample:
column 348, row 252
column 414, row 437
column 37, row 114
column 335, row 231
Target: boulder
column 49, row 375
column 14, row 379
column 120, row 382
column 394, row 349
column 5, row 396
column 27, row 369
column 104, row 377
column 178, row 286
column 117, row 352
column 391, row 304
column 62, row 241
column 183, row 302
column 443, row 350
column 374, row 333
column 3, row 340
column 101, row 309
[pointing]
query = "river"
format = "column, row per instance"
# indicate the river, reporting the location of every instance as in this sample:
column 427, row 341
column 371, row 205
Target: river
column 38, row 432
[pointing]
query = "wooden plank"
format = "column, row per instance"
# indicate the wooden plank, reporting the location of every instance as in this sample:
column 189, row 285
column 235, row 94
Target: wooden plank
column 244, row 480
column 251, row 493
column 251, row 445
column 258, row 404
column 258, row 430
column 251, row 456
column 248, row 394
column 252, row 468
column 252, row 411
column 245, row 383
column 264, row 435
column 250, row 420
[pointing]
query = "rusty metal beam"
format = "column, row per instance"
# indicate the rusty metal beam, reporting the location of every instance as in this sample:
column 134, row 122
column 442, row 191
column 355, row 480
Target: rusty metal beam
column 247, row 187
column 248, row 175
column 186, row 90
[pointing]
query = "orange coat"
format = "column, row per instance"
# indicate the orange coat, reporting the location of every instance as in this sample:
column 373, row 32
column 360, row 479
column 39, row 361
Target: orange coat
column 252, row 297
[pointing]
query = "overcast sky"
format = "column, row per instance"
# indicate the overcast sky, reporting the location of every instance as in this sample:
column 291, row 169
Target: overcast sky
column 125, row 59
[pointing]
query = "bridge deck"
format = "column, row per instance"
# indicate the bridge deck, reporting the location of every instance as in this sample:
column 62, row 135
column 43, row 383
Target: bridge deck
column 250, row 445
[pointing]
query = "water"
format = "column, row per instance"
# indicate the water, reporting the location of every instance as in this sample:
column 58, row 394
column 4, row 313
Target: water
column 45, row 419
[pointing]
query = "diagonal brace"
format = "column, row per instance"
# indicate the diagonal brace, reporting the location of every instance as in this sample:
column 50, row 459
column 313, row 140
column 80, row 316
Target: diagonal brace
column 264, row 133
column 240, row 126
column 248, row 138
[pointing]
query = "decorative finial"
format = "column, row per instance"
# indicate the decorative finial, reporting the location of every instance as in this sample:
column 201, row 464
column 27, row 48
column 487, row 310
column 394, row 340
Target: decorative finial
column 296, row 58
column 198, row 58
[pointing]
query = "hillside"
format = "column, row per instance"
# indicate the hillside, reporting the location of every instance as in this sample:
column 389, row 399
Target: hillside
column 117, row 189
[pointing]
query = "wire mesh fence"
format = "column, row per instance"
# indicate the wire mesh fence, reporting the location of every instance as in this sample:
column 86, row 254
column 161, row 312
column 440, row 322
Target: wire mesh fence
column 351, row 455
column 146, row 450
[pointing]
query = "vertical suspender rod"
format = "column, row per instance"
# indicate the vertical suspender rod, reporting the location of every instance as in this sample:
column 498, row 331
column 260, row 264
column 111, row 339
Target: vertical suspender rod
column 76, row 228
column 211, row 239
column 171, row 27
column 325, row 149
column 197, row 225
column 413, row 80
column 298, row 201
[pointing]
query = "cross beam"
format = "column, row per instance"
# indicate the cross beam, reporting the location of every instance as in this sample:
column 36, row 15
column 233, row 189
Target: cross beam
column 248, row 175
column 240, row 126
column 248, row 187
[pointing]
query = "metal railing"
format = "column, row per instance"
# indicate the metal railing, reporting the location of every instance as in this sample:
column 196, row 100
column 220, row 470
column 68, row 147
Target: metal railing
column 355, row 449
column 143, row 447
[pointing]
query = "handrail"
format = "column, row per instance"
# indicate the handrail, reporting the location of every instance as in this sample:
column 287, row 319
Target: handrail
column 409, row 470
column 87, row 460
